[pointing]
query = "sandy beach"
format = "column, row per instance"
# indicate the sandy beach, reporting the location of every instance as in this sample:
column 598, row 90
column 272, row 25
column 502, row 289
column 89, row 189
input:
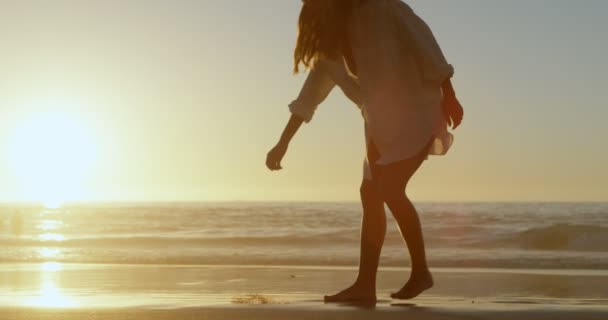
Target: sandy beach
column 95, row 291
column 303, row 311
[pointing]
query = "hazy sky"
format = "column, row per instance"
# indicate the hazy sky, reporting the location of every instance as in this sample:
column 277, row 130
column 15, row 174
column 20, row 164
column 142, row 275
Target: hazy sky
column 181, row 100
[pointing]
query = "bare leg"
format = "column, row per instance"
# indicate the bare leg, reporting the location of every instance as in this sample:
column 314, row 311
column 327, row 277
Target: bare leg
column 393, row 183
column 373, row 229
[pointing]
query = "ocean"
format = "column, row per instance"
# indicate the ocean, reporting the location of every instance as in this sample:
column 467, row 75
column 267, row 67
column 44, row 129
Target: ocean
column 459, row 235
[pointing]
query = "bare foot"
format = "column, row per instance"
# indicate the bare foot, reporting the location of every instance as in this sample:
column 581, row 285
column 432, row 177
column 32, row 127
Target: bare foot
column 414, row 287
column 352, row 294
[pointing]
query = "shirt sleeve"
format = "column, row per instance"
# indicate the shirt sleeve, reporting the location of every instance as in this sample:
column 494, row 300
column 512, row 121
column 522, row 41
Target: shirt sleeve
column 316, row 88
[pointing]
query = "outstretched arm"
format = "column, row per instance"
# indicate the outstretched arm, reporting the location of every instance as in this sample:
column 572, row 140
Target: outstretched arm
column 317, row 87
column 274, row 157
column 451, row 106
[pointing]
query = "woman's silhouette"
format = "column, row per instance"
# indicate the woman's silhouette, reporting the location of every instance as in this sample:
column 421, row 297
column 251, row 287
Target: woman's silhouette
column 387, row 61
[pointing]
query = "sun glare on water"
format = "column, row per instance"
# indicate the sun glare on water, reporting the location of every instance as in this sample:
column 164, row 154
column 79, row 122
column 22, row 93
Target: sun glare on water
column 51, row 156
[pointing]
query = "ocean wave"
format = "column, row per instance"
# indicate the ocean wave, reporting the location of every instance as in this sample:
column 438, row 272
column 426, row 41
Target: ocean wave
column 159, row 241
column 318, row 257
column 555, row 237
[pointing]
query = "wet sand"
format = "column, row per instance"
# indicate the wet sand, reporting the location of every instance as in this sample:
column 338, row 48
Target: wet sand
column 76, row 291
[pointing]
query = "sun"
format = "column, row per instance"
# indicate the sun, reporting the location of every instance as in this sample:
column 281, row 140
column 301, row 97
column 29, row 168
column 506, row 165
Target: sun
column 51, row 156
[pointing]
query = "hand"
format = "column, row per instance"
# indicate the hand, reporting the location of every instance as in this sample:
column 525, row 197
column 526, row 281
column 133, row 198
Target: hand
column 274, row 157
column 453, row 111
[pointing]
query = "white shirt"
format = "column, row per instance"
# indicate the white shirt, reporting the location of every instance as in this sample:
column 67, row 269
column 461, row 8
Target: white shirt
column 400, row 70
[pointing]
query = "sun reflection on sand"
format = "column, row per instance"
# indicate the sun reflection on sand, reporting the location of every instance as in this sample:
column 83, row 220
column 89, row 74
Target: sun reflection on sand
column 50, row 295
column 51, row 266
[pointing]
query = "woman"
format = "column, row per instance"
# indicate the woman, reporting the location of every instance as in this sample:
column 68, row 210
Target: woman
column 387, row 61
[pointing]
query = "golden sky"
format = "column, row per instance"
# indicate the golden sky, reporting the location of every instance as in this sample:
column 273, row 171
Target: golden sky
column 171, row 101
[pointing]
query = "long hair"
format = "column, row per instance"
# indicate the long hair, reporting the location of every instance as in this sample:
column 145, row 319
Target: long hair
column 322, row 31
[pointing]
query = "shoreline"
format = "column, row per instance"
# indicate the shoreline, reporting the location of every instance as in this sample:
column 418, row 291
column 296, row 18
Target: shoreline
column 490, row 270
